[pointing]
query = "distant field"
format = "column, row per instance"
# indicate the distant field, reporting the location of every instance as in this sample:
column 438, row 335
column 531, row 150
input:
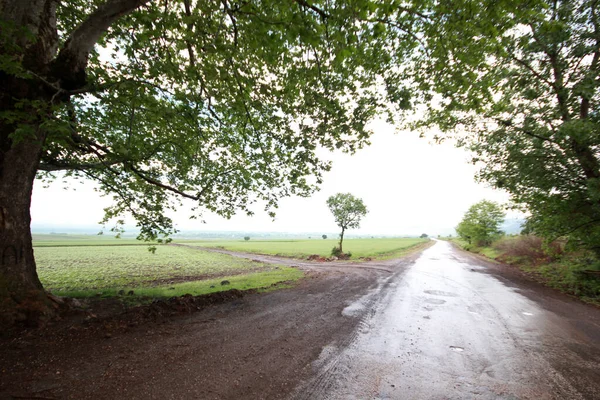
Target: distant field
column 44, row 240
column 374, row 248
column 171, row 271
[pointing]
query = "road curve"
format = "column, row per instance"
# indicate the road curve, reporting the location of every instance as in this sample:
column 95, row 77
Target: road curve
column 449, row 327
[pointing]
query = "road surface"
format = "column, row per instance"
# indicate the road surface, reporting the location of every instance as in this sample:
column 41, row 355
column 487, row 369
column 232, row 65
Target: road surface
column 439, row 325
column 445, row 329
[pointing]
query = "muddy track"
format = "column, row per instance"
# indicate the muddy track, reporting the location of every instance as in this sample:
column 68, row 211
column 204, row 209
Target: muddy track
column 259, row 346
column 343, row 266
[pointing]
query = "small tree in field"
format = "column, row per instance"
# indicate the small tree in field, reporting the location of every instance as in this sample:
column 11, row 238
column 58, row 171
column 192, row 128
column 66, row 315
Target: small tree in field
column 480, row 225
column 347, row 211
column 246, row 238
column 324, row 236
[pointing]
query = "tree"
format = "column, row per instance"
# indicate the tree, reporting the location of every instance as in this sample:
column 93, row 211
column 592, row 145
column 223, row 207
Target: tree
column 480, row 225
column 220, row 102
column 424, row 236
column 246, row 238
column 347, row 211
column 324, row 237
column 522, row 81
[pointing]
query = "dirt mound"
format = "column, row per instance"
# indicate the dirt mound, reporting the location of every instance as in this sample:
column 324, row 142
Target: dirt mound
column 316, row 257
column 164, row 308
column 188, row 303
column 113, row 314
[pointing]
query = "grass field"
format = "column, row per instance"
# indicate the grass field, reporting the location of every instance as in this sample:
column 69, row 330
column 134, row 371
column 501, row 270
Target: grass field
column 87, row 265
column 373, row 248
column 80, row 271
column 58, row 240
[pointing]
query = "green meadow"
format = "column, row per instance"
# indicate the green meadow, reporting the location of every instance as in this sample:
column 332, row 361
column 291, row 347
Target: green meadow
column 360, row 248
column 87, row 265
column 85, row 271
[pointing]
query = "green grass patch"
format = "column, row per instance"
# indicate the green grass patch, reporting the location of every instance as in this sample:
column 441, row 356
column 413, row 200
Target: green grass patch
column 373, row 248
column 85, row 271
column 487, row 251
column 278, row 277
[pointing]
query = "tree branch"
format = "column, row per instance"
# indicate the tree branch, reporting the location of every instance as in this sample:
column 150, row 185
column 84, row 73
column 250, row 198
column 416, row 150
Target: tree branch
column 161, row 185
column 316, row 9
column 190, row 27
column 532, row 70
column 59, row 166
column 71, row 62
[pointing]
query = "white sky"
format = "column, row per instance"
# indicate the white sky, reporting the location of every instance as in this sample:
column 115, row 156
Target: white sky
column 409, row 186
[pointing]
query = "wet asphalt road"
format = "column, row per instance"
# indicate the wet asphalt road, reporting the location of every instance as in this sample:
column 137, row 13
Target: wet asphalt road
column 448, row 327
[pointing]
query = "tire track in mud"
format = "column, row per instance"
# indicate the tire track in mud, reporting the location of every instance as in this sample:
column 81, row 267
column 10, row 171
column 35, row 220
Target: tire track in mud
column 329, row 364
column 385, row 266
column 332, row 364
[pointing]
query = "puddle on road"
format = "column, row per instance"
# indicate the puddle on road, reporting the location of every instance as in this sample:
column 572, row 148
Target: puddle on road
column 435, row 301
column 441, row 293
column 526, row 313
column 355, row 308
column 473, row 310
column 457, row 349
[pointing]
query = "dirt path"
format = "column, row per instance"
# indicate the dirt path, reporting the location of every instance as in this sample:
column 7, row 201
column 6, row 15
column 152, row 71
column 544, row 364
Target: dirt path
column 259, row 346
column 339, row 266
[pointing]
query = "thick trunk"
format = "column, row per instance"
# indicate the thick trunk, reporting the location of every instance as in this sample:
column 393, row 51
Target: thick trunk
column 22, row 297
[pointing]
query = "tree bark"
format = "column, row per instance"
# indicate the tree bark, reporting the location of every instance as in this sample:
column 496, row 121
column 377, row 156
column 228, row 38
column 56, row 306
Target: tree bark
column 342, row 240
column 22, row 298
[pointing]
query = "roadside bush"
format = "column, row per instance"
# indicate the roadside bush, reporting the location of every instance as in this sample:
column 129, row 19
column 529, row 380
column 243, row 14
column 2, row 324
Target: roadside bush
column 572, row 275
column 528, row 249
column 336, row 252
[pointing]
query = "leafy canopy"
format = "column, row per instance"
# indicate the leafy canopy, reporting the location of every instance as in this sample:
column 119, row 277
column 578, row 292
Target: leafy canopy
column 221, row 102
column 481, row 223
column 518, row 83
column 347, row 210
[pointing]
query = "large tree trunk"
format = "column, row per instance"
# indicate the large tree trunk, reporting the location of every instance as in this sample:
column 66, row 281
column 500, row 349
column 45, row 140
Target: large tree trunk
column 22, row 297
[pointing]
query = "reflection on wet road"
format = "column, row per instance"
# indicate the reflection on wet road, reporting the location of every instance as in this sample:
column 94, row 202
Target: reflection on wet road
column 446, row 329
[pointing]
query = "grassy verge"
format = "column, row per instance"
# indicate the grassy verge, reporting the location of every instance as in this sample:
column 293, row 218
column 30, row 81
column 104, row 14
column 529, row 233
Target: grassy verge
column 574, row 273
column 172, row 271
column 280, row 277
column 360, row 248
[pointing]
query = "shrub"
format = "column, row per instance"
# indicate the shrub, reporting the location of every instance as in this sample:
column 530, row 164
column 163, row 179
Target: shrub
column 336, row 252
column 528, row 249
column 572, row 275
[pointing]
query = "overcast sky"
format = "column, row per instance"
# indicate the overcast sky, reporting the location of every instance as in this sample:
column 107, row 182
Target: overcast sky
column 409, row 185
